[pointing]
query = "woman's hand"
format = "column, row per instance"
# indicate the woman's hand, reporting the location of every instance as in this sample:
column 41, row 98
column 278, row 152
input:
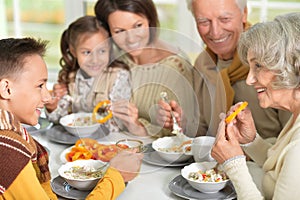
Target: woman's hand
column 245, row 124
column 128, row 164
column 128, row 113
column 164, row 117
column 226, row 145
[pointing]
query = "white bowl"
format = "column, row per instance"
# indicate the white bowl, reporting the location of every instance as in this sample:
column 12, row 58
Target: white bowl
column 73, row 123
column 169, row 142
column 205, row 187
column 201, row 148
column 78, row 183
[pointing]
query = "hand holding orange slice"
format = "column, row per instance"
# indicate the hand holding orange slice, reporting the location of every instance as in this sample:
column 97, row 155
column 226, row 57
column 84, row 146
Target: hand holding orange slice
column 102, row 112
column 236, row 112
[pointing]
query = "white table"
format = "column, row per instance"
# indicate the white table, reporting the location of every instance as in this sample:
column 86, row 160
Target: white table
column 151, row 183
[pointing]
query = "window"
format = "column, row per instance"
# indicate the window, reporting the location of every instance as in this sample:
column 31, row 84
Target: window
column 47, row 19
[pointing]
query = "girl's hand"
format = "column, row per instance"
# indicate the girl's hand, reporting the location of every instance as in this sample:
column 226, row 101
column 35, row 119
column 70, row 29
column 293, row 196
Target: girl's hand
column 226, row 145
column 128, row 113
column 59, row 90
column 245, row 124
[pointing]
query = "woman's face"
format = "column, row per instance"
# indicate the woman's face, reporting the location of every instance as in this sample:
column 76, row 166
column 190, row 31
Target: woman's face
column 261, row 79
column 129, row 31
column 92, row 52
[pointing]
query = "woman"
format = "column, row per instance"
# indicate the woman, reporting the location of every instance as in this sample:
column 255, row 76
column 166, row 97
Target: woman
column 272, row 50
column 155, row 66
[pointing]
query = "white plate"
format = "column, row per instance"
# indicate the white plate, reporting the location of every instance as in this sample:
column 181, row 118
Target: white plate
column 152, row 157
column 67, row 150
column 58, row 134
column 180, row 187
column 63, row 189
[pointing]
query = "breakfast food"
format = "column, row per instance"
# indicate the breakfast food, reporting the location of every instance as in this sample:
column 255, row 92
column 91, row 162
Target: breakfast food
column 82, row 121
column 210, row 175
column 102, row 112
column 184, row 147
column 87, row 148
column 82, row 172
column 236, row 112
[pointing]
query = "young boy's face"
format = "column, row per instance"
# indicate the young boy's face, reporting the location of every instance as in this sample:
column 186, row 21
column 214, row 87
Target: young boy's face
column 28, row 92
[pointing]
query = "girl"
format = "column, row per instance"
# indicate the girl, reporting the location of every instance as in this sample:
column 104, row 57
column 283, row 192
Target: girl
column 86, row 62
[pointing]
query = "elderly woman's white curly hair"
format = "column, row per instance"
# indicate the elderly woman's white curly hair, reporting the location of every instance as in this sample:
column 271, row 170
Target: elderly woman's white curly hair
column 276, row 46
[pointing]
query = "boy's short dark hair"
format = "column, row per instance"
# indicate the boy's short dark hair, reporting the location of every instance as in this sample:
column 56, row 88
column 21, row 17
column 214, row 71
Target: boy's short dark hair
column 13, row 52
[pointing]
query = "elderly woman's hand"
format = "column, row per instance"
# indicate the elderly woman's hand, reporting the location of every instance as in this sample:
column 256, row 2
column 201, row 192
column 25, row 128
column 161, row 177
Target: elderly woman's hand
column 164, row 117
column 244, row 122
column 226, row 145
column 128, row 113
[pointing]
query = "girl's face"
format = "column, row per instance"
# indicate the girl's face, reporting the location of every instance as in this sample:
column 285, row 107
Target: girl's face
column 92, row 52
column 129, row 31
column 28, row 92
column 261, row 79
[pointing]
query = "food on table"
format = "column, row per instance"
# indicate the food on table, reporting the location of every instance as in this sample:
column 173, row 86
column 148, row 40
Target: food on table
column 82, row 121
column 211, row 175
column 102, row 112
column 87, row 148
column 82, row 172
column 236, row 112
column 181, row 148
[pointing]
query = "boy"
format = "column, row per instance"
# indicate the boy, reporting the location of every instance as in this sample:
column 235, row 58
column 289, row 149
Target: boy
column 24, row 172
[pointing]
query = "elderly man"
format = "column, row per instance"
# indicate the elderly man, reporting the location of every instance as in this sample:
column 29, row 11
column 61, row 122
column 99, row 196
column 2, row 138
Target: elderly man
column 219, row 76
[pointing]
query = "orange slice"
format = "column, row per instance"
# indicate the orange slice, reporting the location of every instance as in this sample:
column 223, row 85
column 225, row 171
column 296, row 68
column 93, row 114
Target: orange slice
column 236, row 112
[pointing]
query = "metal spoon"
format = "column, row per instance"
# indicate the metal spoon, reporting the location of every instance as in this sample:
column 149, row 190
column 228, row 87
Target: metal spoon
column 176, row 128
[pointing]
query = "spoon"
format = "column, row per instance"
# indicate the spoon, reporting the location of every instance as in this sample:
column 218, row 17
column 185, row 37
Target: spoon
column 176, row 128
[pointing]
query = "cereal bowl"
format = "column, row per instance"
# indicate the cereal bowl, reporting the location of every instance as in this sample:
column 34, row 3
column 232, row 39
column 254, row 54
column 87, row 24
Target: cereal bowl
column 79, row 174
column 79, row 124
column 172, row 149
column 203, row 177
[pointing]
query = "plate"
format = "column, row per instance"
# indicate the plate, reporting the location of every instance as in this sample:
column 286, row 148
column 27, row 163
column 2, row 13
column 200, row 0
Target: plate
column 153, row 158
column 63, row 189
column 59, row 134
column 44, row 124
column 62, row 156
column 180, row 187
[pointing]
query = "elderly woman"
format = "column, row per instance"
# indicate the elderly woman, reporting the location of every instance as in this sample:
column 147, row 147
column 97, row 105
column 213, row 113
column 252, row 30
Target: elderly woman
column 272, row 50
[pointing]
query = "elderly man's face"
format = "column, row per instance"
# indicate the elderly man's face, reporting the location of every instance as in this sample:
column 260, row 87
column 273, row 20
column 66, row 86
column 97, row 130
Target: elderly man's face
column 219, row 23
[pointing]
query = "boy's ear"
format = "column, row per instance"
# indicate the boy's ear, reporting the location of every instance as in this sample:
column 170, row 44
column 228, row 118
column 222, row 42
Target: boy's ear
column 5, row 88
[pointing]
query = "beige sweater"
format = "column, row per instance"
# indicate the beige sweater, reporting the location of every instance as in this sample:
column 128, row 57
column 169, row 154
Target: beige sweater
column 280, row 163
column 269, row 122
column 173, row 75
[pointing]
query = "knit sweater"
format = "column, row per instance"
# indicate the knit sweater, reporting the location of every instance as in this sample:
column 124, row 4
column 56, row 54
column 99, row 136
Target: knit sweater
column 173, row 75
column 280, row 163
column 24, row 172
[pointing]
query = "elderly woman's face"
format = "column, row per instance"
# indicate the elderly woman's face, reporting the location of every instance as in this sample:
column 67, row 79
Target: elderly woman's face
column 261, row 78
column 129, row 31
